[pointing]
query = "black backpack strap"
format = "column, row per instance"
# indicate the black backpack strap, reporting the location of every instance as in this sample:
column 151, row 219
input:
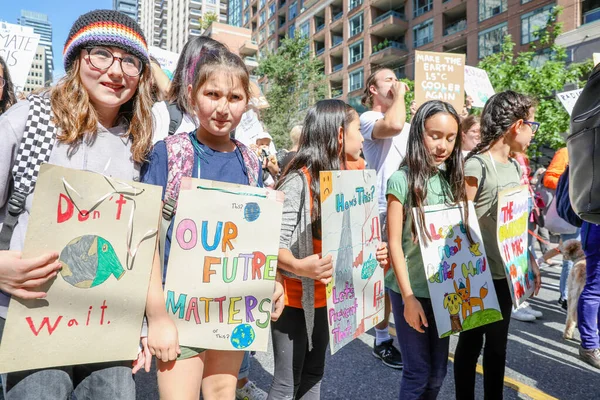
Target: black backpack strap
column 34, row 150
column 175, row 117
column 482, row 180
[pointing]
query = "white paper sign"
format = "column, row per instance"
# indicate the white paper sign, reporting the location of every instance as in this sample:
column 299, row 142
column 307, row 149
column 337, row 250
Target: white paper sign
column 478, row 85
column 18, row 45
column 167, row 59
column 568, row 99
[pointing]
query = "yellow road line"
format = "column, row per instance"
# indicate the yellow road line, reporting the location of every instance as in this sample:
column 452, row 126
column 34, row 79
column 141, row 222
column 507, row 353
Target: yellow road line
column 520, row 387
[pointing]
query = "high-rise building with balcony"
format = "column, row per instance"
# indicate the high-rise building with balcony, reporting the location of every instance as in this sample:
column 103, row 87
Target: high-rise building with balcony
column 127, row 7
column 42, row 26
column 168, row 24
column 352, row 37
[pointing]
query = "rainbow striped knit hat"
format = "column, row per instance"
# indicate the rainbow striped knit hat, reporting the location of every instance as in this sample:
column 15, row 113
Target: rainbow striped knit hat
column 105, row 28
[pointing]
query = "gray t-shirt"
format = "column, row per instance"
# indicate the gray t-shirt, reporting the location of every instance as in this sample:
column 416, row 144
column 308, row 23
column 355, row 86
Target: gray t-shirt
column 486, row 205
column 109, row 153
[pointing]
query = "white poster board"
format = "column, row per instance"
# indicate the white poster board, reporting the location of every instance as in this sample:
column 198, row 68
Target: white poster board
column 351, row 234
column 222, row 264
column 18, row 45
column 478, row 85
column 460, row 283
column 568, row 99
column 167, row 60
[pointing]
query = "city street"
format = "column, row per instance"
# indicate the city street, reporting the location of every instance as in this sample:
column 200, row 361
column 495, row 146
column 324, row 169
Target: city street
column 541, row 364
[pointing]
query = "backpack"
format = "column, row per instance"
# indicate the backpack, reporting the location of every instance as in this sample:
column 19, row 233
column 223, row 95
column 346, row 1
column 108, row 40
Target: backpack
column 180, row 161
column 583, row 145
column 563, row 201
column 34, row 150
column 175, row 117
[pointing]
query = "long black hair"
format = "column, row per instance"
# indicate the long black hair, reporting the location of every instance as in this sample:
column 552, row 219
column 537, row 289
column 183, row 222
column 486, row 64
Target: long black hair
column 319, row 148
column 499, row 113
column 421, row 166
column 8, row 95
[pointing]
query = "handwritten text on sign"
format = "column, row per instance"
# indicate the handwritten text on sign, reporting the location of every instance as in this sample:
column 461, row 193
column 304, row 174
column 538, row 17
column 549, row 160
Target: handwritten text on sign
column 513, row 213
column 440, row 76
column 17, row 47
column 458, row 276
column 222, row 265
column 351, row 233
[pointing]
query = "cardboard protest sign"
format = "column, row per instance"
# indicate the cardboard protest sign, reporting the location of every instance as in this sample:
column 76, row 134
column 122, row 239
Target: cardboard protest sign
column 477, row 85
column 440, row 76
column 351, row 234
column 458, row 275
column 222, row 264
column 105, row 231
column 568, row 99
column 18, row 45
column 513, row 214
column 166, row 59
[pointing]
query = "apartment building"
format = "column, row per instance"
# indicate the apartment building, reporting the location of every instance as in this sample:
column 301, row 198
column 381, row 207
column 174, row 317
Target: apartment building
column 237, row 39
column 37, row 78
column 581, row 26
column 43, row 27
column 169, row 24
column 127, row 7
column 352, row 37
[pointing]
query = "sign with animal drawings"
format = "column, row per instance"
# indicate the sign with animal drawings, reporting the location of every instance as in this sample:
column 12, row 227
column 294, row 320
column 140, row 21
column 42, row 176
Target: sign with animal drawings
column 458, row 276
column 222, row 264
column 351, row 234
column 513, row 214
column 105, row 232
column 440, row 76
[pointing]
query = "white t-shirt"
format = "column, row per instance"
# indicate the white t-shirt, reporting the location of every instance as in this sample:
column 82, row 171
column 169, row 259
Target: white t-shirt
column 160, row 115
column 383, row 155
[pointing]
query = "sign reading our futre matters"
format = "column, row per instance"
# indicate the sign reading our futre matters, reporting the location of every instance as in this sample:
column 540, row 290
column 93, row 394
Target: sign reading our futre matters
column 222, row 264
column 440, row 76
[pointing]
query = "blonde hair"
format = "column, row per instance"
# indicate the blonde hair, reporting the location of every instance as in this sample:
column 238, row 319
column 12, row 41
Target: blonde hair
column 295, row 134
column 76, row 116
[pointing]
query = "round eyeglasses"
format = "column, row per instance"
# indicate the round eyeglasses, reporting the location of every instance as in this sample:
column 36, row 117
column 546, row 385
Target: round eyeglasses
column 534, row 125
column 102, row 59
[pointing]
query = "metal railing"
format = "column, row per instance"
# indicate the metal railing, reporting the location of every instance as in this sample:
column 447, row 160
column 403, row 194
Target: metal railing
column 455, row 27
column 386, row 15
column 392, row 44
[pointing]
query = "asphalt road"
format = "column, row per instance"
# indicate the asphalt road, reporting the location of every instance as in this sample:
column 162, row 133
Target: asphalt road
column 540, row 365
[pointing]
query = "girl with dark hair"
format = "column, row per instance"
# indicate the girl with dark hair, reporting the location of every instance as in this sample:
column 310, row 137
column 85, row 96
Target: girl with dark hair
column 330, row 134
column 218, row 93
column 507, row 125
column 7, row 92
column 431, row 174
column 176, row 114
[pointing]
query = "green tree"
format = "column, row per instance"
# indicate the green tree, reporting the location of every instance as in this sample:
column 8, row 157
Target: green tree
column 540, row 72
column 295, row 81
column 206, row 19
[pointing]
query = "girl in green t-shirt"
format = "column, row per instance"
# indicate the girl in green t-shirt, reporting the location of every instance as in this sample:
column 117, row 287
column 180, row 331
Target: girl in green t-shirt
column 506, row 126
column 431, row 173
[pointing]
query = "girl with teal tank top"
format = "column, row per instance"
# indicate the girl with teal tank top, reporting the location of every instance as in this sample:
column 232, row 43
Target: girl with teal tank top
column 431, row 174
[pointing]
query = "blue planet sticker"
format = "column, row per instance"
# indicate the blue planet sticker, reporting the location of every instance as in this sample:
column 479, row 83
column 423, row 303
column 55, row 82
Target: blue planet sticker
column 242, row 336
column 251, row 212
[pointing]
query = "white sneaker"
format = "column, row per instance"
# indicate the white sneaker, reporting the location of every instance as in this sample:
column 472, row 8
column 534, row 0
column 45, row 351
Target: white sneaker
column 250, row 392
column 521, row 315
column 527, row 308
